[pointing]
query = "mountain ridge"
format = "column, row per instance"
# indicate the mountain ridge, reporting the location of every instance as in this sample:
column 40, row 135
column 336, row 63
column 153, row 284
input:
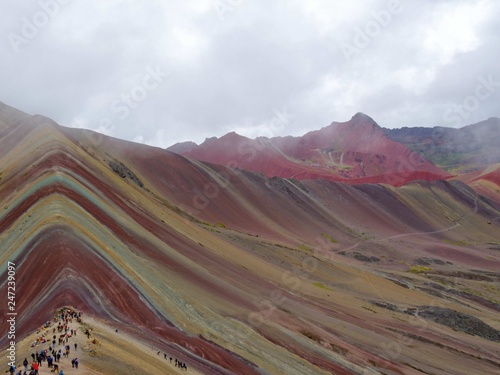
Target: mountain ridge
column 355, row 151
column 459, row 150
column 234, row 272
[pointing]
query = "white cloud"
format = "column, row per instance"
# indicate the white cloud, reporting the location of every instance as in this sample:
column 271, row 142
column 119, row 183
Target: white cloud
column 187, row 45
column 455, row 29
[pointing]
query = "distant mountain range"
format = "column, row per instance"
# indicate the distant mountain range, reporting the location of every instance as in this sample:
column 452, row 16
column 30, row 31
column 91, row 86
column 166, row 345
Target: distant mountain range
column 358, row 151
column 456, row 150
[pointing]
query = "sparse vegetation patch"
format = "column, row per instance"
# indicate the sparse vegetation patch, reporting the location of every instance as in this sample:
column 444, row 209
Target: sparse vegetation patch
column 329, row 238
column 322, row 286
column 420, row 269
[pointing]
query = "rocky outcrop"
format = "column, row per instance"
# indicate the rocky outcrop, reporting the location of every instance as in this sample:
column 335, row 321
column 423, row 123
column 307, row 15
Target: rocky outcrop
column 121, row 170
column 458, row 321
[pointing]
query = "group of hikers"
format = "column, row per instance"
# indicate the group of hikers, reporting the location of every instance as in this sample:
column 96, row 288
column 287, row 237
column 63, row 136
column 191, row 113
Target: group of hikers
column 52, row 356
column 177, row 363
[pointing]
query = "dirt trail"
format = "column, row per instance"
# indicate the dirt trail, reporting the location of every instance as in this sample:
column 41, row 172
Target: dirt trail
column 104, row 352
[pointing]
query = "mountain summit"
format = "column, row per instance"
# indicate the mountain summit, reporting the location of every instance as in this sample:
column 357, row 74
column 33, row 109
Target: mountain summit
column 356, row 151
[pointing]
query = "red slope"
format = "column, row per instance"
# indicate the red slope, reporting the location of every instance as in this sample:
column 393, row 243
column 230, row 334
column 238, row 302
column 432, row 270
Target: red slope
column 356, row 151
column 485, row 181
column 490, row 173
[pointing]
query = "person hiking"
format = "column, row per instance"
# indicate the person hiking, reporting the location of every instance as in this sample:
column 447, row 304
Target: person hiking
column 25, row 364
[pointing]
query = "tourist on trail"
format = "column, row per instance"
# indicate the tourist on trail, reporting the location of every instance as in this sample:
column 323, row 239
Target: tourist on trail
column 76, row 345
column 25, row 364
column 12, row 370
column 76, row 363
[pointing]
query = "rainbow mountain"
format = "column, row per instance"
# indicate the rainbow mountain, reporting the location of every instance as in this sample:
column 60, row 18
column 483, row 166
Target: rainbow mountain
column 236, row 272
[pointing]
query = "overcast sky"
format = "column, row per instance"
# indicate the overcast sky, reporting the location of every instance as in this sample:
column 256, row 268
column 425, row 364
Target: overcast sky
column 164, row 71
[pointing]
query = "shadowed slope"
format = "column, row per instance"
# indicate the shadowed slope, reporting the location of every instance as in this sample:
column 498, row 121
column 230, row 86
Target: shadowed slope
column 486, row 181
